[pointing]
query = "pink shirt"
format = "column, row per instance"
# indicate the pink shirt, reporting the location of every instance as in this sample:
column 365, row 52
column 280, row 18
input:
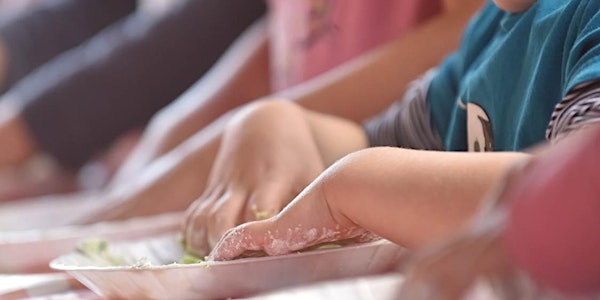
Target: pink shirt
column 310, row 37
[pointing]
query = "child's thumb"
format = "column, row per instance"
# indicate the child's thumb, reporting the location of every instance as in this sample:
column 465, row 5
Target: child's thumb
column 240, row 240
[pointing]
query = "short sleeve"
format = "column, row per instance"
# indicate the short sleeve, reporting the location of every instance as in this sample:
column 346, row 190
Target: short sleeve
column 580, row 108
column 583, row 61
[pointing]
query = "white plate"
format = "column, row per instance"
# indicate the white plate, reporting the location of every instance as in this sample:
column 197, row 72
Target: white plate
column 238, row 278
column 32, row 250
column 47, row 211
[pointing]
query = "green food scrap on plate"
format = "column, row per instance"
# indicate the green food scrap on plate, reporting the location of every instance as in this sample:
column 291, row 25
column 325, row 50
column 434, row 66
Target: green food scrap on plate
column 189, row 258
column 97, row 250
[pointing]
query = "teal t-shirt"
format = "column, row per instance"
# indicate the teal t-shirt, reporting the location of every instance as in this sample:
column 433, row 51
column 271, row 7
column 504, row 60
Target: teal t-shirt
column 498, row 91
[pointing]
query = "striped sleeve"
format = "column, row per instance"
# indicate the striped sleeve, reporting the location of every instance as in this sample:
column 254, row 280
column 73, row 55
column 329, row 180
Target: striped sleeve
column 407, row 122
column 581, row 107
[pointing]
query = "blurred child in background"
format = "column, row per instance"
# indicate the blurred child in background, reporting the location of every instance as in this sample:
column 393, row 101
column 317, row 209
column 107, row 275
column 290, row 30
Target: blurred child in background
column 79, row 74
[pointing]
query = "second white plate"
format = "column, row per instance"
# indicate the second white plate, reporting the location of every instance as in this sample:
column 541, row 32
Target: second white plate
column 32, row 250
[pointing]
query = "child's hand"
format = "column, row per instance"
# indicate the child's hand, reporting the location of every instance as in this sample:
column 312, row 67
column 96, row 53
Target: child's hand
column 267, row 156
column 307, row 221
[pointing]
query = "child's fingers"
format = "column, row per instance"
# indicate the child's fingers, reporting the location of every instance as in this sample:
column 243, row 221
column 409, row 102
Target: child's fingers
column 266, row 201
column 238, row 240
column 195, row 229
column 305, row 222
column 225, row 214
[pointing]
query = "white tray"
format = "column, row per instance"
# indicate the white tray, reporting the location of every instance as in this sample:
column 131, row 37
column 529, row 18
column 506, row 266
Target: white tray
column 48, row 211
column 32, row 250
column 238, row 278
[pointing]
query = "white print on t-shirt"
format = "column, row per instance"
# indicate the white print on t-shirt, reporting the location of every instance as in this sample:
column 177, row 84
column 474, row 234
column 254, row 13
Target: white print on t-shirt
column 480, row 134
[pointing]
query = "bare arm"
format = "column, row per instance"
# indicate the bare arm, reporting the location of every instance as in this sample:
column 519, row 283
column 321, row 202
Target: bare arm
column 429, row 193
column 408, row 196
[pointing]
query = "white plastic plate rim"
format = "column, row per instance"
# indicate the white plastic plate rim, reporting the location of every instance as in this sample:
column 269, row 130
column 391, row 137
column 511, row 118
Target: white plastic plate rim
column 58, row 265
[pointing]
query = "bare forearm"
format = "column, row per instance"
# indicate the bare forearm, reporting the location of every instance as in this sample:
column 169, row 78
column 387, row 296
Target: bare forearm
column 410, row 196
column 367, row 85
